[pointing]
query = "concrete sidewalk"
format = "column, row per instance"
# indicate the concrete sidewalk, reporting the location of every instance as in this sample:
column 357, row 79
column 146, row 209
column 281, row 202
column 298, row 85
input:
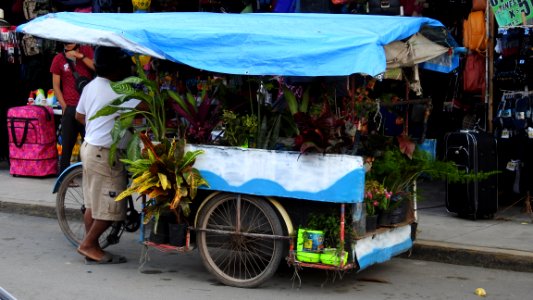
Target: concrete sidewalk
column 504, row 242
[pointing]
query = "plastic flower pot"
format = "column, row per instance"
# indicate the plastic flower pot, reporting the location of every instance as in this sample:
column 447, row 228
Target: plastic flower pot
column 331, row 257
column 371, row 223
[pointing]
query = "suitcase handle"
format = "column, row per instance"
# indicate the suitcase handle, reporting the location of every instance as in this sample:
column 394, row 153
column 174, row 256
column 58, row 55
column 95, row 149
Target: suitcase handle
column 47, row 112
column 14, row 135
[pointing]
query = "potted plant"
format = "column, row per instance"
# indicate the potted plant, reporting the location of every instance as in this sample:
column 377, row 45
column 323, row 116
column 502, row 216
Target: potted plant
column 202, row 115
column 377, row 199
column 329, row 223
column 239, row 130
column 398, row 166
column 398, row 206
column 167, row 177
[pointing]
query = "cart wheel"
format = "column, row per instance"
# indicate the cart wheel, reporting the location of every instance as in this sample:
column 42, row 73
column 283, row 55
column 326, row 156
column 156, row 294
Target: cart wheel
column 70, row 209
column 239, row 260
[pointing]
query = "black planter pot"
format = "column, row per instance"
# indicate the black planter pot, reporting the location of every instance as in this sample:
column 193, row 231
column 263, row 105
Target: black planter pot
column 398, row 214
column 384, row 218
column 177, row 234
column 371, row 223
column 159, row 235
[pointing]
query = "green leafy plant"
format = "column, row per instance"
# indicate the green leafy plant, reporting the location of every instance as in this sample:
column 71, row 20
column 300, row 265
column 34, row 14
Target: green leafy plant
column 398, row 172
column 316, row 132
column 238, row 130
column 165, row 174
column 152, row 109
column 330, row 224
column 269, row 130
column 329, row 221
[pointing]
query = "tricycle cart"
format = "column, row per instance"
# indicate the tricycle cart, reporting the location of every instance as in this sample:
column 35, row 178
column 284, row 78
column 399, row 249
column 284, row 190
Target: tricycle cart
column 245, row 225
column 248, row 221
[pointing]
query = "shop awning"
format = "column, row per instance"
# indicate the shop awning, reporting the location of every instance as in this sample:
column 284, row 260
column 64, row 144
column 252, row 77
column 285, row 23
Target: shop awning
column 250, row 44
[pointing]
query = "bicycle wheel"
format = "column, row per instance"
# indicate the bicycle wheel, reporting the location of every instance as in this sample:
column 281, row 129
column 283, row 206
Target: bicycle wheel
column 70, row 210
column 236, row 242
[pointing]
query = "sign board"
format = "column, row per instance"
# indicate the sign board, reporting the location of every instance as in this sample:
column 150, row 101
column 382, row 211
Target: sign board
column 509, row 12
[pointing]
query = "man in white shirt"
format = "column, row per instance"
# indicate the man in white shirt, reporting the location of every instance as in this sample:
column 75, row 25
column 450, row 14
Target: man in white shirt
column 102, row 180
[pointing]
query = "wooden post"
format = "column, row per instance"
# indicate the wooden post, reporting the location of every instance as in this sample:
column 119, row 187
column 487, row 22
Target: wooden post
column 489, row 86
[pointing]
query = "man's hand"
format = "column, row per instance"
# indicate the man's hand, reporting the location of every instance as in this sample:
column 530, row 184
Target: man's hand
column 74, row 54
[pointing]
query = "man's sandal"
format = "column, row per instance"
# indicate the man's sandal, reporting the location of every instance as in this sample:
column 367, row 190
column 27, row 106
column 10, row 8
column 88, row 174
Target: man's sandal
column 108, row 258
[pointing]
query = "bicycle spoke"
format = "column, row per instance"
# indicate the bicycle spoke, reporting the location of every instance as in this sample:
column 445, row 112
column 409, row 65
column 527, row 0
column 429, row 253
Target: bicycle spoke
column 234, row 257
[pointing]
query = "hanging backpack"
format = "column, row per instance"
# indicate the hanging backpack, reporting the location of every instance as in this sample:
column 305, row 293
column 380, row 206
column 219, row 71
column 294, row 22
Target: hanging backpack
column 31, row 45
column 35, row 8
column 474, row 32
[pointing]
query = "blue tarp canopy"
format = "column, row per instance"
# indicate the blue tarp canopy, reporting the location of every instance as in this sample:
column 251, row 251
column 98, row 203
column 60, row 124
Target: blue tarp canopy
column 249, row 44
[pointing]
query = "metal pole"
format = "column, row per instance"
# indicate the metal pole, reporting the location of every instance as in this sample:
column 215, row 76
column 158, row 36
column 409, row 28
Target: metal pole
column 238, row 221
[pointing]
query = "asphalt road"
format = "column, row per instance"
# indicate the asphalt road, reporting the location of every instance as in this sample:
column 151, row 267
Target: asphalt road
column 36, row 262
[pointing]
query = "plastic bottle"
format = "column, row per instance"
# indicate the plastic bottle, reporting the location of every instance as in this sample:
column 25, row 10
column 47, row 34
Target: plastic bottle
column 51, row 98
column 39, row 97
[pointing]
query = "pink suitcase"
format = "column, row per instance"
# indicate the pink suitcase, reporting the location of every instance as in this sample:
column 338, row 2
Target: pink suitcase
column 32, row 141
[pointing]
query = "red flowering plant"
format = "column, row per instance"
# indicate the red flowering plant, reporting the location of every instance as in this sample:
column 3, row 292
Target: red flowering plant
column 318, row 128
column 376, row 197
column 359, row 106
column 200, row 114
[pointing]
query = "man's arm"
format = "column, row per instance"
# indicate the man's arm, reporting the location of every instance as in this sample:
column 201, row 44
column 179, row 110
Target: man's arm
column 88, row 62
column 80, row 118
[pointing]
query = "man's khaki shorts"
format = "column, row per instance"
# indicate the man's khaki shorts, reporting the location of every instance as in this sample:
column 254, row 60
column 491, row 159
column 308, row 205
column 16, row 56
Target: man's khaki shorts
column 102, row 183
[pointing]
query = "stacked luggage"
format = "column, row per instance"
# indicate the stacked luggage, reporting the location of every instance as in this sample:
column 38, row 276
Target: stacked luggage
column 32, row 141
column 473, row 152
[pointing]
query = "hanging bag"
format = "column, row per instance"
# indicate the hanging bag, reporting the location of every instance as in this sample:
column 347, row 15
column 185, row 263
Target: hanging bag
column 31, row 45
column 35, row 8
column 479, row 5
column 474, row 33
column 81, row 81
column 474, row 73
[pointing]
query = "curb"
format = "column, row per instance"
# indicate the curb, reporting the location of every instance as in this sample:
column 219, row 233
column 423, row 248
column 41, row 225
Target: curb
column 485, row 257
column 28, row 209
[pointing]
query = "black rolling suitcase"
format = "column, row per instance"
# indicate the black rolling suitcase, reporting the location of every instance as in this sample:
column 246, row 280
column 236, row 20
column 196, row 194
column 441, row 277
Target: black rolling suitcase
column 474, row 152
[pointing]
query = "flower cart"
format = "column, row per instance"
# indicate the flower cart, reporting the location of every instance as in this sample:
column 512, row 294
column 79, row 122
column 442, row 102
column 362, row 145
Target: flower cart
column 330, row 178
column 250, row 217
